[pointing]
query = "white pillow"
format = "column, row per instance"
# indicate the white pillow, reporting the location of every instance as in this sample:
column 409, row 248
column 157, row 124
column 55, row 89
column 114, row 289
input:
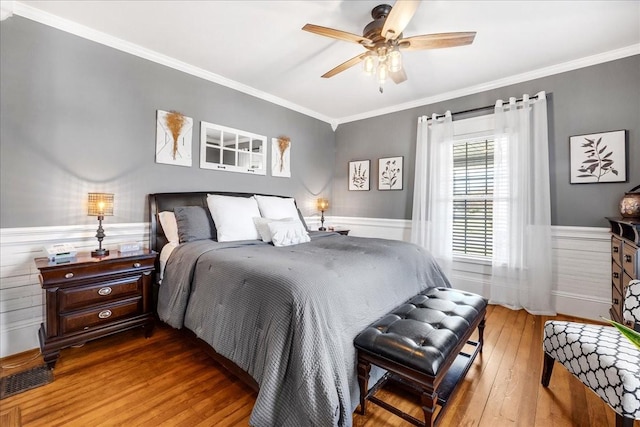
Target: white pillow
column 287, row 233
column 170, row 226
column 262, row 224
column 277, row 207
column 233, row 217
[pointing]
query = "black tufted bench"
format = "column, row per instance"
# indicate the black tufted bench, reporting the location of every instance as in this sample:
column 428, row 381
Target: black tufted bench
column 420, row 343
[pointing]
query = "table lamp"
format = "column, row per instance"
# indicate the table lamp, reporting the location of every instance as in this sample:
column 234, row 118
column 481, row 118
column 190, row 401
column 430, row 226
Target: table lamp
column 100, row 205
column 323, row 205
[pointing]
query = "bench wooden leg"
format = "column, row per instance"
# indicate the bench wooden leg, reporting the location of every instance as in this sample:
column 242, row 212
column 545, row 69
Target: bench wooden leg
column 363, row 381
column 547, row 369
column 481, row 334
column 623, row 421
column 429, row 399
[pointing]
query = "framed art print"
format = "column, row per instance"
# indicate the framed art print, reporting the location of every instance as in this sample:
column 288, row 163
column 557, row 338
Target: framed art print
column 598, row 157
column 281, row 157
column 359, row 173
column 173, row 138
column 390, row 173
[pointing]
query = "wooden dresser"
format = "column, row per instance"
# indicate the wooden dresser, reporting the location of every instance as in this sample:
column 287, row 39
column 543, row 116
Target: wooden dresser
column 625, row 241
column 91, row 297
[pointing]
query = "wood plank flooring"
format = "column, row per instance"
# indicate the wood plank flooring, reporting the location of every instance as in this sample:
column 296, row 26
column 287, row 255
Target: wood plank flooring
column 166, row 381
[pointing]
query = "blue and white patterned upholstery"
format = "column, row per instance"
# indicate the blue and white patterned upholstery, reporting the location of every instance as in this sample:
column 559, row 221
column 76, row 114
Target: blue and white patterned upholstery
column 601, row 357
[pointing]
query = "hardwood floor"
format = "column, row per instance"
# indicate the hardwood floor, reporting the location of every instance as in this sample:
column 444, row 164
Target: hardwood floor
column 166, row 381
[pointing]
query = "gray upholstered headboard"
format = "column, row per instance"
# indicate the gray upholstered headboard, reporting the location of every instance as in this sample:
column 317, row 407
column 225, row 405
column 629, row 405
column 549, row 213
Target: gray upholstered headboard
column 160, row 202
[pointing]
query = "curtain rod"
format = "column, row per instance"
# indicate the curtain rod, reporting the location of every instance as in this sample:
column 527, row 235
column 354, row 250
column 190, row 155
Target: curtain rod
column 473, row 110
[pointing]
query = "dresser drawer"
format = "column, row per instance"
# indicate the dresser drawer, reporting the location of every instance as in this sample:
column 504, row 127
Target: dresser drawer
column 629, row 254
column 99, row 316
column 616, row 303
column 616, row 274
column 625, row 283
column 616, row 250
column 100, row 293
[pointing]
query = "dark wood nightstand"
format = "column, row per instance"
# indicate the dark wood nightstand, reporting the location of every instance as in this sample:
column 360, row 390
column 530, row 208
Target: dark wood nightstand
column 88, row 298
column 343, row 232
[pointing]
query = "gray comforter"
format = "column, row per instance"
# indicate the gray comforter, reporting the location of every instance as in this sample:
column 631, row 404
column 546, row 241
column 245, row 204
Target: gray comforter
column 288, row 315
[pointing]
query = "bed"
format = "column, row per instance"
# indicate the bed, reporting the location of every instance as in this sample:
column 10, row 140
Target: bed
column 285, row 317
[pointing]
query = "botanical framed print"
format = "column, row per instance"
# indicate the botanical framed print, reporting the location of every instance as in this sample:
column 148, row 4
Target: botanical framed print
column 281, row 157
column 390, row 172
column 359, row 173
column 173, row 138
column 598, row 157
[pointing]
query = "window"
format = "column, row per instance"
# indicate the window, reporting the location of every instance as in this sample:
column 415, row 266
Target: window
column 472, row 197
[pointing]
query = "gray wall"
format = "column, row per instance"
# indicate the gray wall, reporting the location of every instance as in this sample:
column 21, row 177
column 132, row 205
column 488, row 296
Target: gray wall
column 77, row 116
column 598, row 98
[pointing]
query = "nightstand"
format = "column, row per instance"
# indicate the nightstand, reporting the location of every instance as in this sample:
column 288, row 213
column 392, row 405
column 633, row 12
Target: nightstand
column 88, row 298
column 343, row 232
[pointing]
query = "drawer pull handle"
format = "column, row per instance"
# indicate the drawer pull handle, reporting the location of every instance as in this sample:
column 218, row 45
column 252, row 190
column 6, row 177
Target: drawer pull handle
column 615, row 301
column 104, row 314
column 627, row 258
column 68, row 275
column 616, row 275
column 136, row 264
column 616, row 249
column 104, row 291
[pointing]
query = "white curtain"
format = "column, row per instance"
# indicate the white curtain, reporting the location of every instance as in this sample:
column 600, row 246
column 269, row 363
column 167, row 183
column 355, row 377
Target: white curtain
column 521, row 265
column 432, row 220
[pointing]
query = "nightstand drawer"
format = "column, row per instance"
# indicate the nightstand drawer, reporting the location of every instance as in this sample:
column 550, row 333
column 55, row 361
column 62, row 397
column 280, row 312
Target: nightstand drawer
column 100, row 315
column 72, row 273
column 100, row 293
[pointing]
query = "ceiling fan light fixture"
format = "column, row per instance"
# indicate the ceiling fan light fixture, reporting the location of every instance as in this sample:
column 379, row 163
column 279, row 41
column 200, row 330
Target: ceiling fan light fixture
column 395, row 61
column 383, row 38
column 369, row 65
column 383, row 72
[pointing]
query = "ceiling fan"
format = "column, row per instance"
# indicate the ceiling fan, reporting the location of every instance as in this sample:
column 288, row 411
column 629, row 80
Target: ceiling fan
column 383, row 40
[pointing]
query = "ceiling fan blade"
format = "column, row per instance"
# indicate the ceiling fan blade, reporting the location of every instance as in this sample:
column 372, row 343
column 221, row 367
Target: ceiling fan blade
column 437, row 41
column 399, row 76
column 399, row 17
column 347, row 64
column 337, row 34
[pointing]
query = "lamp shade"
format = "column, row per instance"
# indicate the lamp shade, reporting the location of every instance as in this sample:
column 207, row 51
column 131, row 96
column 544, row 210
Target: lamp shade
column 100, row 204
column 323, row 204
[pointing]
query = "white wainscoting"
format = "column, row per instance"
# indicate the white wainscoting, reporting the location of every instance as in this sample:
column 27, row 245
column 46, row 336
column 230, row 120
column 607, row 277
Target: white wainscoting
column 581, row 268
column 581, row 264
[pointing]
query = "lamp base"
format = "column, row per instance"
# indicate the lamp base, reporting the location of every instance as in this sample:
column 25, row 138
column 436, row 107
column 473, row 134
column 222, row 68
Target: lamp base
column 100, row 252
column 322, row 229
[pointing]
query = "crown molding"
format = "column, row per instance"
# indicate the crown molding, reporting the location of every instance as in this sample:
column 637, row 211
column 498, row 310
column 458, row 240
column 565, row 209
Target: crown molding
column 518, row 78
column 71, row 27
column 54, row 21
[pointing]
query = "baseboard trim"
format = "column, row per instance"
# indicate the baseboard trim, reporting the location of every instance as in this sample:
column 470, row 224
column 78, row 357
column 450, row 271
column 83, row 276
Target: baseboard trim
column 582, row 306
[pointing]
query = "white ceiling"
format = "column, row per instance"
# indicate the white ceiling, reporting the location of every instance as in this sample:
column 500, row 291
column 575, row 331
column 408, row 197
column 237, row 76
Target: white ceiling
column 259, row 47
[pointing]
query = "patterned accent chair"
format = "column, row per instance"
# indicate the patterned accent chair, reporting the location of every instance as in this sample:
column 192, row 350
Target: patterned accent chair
column 601, row 357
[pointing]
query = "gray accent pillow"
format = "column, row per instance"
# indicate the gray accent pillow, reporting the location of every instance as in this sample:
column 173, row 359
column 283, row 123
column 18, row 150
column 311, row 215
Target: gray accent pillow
column 194, row 223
